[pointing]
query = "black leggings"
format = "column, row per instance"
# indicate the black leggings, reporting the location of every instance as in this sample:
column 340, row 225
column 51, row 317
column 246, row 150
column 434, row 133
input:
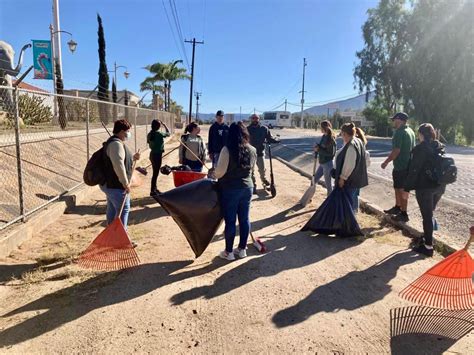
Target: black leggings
column 427, row 200
column 155, row 159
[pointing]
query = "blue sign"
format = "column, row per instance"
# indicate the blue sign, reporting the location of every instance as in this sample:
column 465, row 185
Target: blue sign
column 43, row 60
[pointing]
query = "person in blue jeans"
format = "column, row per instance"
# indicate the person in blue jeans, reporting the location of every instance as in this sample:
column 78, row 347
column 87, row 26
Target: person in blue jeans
column 325, row 150
column 118, row 172
column 234, row 173
column 194, row 154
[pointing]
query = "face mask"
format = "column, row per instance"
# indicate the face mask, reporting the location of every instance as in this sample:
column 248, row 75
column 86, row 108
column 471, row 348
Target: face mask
column 128, row 135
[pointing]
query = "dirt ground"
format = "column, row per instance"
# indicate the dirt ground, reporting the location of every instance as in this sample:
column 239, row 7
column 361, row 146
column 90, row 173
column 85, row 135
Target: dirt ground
column 307, row 294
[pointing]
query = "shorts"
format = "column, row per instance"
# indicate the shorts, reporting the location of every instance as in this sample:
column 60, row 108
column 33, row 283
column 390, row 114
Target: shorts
column 399, row 178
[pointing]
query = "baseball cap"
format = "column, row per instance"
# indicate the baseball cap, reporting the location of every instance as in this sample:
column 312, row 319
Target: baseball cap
column 220, row 113
column 400, row 116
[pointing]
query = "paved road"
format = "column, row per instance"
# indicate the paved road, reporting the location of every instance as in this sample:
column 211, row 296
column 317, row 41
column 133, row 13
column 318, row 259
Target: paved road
column 462, row 191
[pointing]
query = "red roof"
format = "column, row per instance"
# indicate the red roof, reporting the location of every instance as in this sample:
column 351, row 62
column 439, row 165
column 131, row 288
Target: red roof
column 27, row 86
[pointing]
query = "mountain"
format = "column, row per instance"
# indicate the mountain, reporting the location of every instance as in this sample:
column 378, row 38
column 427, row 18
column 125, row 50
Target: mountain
column 356, row 103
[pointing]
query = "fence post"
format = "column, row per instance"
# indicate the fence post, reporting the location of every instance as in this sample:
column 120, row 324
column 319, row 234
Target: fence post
column 87, row 127
column 136, row 137
column 18, row 156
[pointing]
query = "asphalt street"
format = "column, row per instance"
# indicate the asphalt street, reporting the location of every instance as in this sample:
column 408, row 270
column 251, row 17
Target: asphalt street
column 460, row 192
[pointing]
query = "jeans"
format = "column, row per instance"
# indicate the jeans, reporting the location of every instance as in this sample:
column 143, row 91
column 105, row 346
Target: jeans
column 194, row 165
column 114, row 202
column 261, row 170
column 427, row 200
column 236, row 202
column 353, row 194
column 324, row 169
column 215, row 159
column 156, row 159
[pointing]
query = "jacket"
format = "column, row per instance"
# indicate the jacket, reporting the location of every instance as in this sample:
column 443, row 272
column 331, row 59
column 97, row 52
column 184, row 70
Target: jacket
column 259, row 134
column 327, row 149
column 217, row 137
column 235, row 177
column 358, row 177
column 422, row 160
column 112, row 180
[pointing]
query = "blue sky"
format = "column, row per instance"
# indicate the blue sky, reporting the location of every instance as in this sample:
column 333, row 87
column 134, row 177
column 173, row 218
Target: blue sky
column 252, row 56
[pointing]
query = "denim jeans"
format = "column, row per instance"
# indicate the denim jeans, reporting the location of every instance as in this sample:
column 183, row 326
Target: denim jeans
column 427, row 201
column 353, row 195
column 236, row 202
column 324, row 169
column 114, row 202
column 194, row 165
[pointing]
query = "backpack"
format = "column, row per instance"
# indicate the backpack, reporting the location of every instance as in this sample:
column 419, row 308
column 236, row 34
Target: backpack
column 443, row 170
column 94, row 173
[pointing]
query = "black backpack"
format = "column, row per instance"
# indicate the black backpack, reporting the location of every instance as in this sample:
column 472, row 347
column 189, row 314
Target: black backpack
column 94, row 173
column 443, row 170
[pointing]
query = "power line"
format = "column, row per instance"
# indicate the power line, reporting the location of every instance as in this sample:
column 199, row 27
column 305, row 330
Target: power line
column 173, row 33
column 174, row 12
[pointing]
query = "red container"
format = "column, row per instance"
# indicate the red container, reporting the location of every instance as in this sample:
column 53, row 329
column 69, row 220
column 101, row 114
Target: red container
column 184, row 177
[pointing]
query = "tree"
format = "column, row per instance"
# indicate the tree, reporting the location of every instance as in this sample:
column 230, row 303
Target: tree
column 380, row 60
column 103, row 91
column 157, row 72
column 172, row 73
column 379, row 116
column 114, row 98
column 150, row 84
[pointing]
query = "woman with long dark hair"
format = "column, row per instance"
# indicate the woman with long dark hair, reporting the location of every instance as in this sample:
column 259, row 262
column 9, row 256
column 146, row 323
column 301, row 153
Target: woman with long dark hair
column 428, row 192
column 195, row 144
column 155, row 140
column 234, row 173
column 325, row 149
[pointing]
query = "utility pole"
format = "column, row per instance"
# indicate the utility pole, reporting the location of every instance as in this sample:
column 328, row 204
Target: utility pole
column 194, row 42
column 302, row 94
column 198, row 95
column 254, row 110
column 57, row 36
column 285, row 104
column 240, row 113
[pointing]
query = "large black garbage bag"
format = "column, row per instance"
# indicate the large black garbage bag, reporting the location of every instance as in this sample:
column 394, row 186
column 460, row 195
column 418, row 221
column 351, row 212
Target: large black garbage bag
column 196, row 208
column 335, row 216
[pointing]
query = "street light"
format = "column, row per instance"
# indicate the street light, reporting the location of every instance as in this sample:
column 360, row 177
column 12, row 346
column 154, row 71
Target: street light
column 126, row 74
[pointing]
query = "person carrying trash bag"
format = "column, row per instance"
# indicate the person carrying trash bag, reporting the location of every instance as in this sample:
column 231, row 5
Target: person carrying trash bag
column 155, row 140
column 259, row 135
column 428, row 191
column 234, row 173
column 118, row 172
column 325, row 149
column 335, row 215
column 195, row 143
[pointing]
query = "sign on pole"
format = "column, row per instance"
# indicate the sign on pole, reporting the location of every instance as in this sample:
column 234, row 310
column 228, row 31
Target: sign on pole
column 42, row 60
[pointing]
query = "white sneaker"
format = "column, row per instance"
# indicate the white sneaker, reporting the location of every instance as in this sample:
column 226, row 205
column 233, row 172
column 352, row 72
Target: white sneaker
column 227, row 256
column 241, row 253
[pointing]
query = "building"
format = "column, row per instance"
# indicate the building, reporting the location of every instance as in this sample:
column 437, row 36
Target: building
column 356, row 118
column 133, row 99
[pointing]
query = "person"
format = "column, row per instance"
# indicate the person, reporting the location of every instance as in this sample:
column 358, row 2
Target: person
column 325, row 149
column 259, row 134
column 155, row 140
column 428, row 192
column 217, row 137
column 351, row 168
column 403, row 141
column 234, row 174
column 195, row 143
column 361, row 136
column 118, row 172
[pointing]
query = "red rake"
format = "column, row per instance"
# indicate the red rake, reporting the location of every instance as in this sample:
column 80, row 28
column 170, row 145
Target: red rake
column 112, row 249
column 258, row 244
column 448, row 284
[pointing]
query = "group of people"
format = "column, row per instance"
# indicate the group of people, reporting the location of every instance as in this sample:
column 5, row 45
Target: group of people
column 235, row 150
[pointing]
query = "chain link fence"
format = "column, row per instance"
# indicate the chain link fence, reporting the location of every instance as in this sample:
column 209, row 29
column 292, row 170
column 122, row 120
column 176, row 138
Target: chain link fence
column 46, row 141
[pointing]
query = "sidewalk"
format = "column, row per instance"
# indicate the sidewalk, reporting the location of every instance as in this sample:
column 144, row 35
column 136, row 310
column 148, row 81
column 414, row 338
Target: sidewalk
column 307, row 294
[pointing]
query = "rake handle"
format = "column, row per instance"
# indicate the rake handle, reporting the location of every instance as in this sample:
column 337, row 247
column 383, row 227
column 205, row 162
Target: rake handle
column 164, row 155
column 125, row 197
column 471, row 238
column 189, row 150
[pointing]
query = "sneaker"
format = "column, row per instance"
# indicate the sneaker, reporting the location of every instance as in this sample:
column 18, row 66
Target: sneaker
column 401, row 217
column 394, row 210
column 422, row 249
column 241, row 253
column 134, row 244
column 227, row 256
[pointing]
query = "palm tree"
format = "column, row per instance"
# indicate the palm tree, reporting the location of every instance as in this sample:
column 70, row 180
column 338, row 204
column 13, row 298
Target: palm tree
column 150, row 84
column 172, row 73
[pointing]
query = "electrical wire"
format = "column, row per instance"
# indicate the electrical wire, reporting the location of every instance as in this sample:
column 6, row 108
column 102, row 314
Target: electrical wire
column 174, row 12
column 173, row 32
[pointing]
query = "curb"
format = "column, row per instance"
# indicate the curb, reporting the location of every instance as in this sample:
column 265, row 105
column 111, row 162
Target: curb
column 442, row 247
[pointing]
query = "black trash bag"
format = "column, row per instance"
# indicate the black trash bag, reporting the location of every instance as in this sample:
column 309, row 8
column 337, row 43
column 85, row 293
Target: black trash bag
column 181, row 168
column 335, row 216
column 196, row 209
column 165, row 170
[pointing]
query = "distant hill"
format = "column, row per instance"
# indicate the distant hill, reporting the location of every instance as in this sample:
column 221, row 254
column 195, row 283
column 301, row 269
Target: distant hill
column 356, row 103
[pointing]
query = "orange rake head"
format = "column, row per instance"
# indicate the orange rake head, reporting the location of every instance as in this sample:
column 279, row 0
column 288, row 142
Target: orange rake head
column 447, row 285
column 111, row 250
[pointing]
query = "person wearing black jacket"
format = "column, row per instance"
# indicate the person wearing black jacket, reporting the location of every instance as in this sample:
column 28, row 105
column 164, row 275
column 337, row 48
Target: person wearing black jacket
column 217, row 137
column 259, row 135
column 428, row 192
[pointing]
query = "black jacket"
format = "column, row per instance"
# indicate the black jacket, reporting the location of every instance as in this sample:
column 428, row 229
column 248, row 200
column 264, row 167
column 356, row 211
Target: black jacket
column 358, row 178
column 260, row 134
column 217, row 137
column 422, row 160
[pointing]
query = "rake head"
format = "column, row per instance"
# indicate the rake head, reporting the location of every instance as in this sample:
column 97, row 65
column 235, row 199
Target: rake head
column 142, row 170
column 111, row 250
